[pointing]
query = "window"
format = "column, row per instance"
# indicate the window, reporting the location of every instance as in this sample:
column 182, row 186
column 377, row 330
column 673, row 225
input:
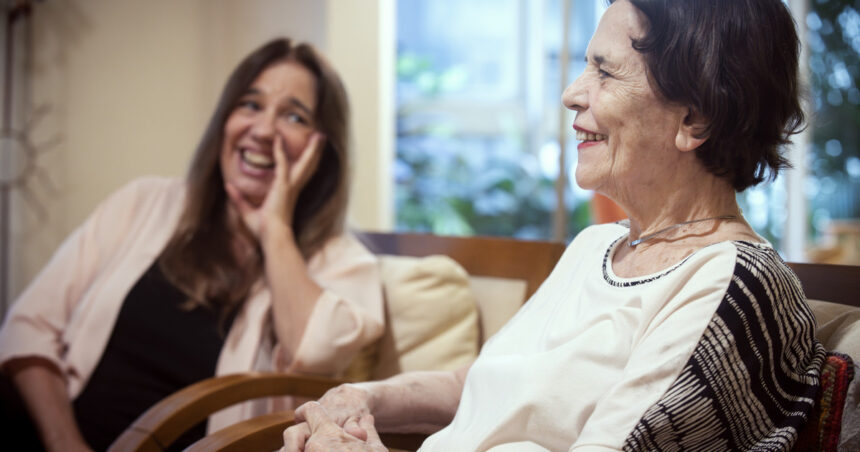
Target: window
column 480, row 125
column 478, row 116
column 833, row 185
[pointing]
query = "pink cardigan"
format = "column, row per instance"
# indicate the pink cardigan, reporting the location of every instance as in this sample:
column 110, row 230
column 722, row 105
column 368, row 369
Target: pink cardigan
column 67, row 313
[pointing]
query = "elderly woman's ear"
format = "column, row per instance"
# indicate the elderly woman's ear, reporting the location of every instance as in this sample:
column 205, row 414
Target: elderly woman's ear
column 691, row 131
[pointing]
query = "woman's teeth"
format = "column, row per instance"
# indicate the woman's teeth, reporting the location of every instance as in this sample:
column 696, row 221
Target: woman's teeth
column 258, row 160
column 586, row 136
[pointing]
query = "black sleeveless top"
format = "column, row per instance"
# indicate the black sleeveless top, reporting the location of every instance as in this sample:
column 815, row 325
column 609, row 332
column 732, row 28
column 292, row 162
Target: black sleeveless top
column 156, row 348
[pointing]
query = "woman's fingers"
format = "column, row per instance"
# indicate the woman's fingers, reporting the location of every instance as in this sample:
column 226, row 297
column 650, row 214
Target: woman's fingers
column 299, row 412
column 353, row 427
column 307, row 163
column 316, row 417
column 324, row 434
column 344, row 402
column 366, row 424
column 282, row 163
column 295, row 437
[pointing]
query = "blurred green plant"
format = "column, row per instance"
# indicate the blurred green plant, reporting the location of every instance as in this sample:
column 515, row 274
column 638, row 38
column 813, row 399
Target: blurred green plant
column 834, row 60
column 453, row 181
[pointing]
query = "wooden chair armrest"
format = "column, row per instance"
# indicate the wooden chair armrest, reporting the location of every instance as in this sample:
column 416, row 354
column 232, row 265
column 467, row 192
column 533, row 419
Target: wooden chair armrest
column 167, row 420
column 266, row 432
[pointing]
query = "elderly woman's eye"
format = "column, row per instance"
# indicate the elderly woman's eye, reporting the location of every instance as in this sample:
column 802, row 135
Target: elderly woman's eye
column 603, row 74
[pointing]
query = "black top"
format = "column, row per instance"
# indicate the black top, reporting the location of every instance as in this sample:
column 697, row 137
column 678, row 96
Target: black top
column 156, row 348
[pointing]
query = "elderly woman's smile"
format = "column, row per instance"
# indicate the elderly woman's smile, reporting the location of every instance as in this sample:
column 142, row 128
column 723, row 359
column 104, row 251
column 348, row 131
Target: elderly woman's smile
column 588, row 137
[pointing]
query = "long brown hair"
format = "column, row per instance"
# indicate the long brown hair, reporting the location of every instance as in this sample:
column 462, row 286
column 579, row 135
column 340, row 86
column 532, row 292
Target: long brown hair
column 200, row 259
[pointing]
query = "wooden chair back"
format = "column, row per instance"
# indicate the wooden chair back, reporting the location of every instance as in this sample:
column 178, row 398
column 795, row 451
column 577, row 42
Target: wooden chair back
column 828, row 282
column 498, row 257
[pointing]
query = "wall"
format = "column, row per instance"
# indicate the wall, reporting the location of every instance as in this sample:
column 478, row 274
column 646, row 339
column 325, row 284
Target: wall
column 365, row 57
column 131, row 84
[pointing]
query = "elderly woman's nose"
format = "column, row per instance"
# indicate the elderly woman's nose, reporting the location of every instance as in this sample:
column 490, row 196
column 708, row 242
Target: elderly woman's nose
column 574, row 96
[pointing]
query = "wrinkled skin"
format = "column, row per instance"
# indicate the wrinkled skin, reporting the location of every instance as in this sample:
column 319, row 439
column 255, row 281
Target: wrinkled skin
column 344, row 405
column 320, row 432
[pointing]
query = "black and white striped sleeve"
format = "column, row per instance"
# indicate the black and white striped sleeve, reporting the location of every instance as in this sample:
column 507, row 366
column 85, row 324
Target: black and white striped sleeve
column 751, row 381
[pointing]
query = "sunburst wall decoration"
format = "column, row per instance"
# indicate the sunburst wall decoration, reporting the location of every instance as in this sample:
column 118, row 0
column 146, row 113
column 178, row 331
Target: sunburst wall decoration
column 19, row 154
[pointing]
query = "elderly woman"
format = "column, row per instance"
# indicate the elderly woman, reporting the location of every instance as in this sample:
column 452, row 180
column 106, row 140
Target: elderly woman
column 680, row 330
column 244, row 265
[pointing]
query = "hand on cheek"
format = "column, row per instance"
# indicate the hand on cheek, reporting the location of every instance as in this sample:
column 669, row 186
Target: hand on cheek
column 276, row 211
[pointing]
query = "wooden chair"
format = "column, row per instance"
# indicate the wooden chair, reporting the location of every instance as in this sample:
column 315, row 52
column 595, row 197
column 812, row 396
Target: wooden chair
column 156, row 429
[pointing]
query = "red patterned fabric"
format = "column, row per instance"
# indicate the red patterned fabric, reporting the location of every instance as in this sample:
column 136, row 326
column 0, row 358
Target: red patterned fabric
column 822, row 431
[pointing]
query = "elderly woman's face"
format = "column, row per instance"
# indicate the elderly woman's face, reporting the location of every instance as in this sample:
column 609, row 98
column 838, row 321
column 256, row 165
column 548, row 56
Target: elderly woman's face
column 626, row 130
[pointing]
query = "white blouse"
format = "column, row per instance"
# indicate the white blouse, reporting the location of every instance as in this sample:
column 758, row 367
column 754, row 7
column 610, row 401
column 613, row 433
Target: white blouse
column 581, row 364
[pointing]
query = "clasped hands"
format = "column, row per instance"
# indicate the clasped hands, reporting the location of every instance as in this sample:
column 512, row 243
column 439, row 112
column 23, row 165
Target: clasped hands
column 340, row 421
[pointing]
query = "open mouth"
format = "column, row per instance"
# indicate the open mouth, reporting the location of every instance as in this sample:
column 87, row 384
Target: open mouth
column 257, row 160
column 584, row 136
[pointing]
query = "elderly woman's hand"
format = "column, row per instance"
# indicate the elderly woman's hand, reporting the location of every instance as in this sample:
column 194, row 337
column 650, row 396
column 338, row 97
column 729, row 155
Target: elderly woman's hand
column 321, row 433
column 344, row 405
column 280, row 203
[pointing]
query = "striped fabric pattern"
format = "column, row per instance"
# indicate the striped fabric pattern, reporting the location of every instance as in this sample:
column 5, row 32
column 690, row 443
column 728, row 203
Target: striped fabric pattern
column 751, row 381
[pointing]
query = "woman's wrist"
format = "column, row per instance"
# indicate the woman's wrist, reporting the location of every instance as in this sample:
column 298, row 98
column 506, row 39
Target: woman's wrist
column 370, row 390
column 276, row 236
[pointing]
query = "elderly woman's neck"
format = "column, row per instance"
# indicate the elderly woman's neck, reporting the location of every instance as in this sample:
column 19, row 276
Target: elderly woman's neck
column 653, row 212
column 688, row 196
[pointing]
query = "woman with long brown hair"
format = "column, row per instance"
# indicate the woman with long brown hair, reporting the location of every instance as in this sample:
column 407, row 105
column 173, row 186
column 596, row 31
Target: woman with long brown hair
column 244, row 265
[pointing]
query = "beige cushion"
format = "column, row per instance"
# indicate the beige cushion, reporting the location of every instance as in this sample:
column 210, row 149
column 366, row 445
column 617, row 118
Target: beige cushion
column 431, row 319
column 838, row 327
column 498, row 300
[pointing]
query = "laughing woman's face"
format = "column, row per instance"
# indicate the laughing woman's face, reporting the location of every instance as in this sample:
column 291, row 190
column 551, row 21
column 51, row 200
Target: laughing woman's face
column 279, row 104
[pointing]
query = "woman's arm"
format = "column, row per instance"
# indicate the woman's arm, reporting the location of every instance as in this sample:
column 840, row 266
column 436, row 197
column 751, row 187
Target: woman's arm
column 33, row 335
column 295, row 294
column 43, row 390
column 37, row 321
column 422, row 402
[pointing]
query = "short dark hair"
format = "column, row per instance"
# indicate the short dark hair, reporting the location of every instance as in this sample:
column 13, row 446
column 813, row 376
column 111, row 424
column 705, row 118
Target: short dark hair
column 735, row 62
